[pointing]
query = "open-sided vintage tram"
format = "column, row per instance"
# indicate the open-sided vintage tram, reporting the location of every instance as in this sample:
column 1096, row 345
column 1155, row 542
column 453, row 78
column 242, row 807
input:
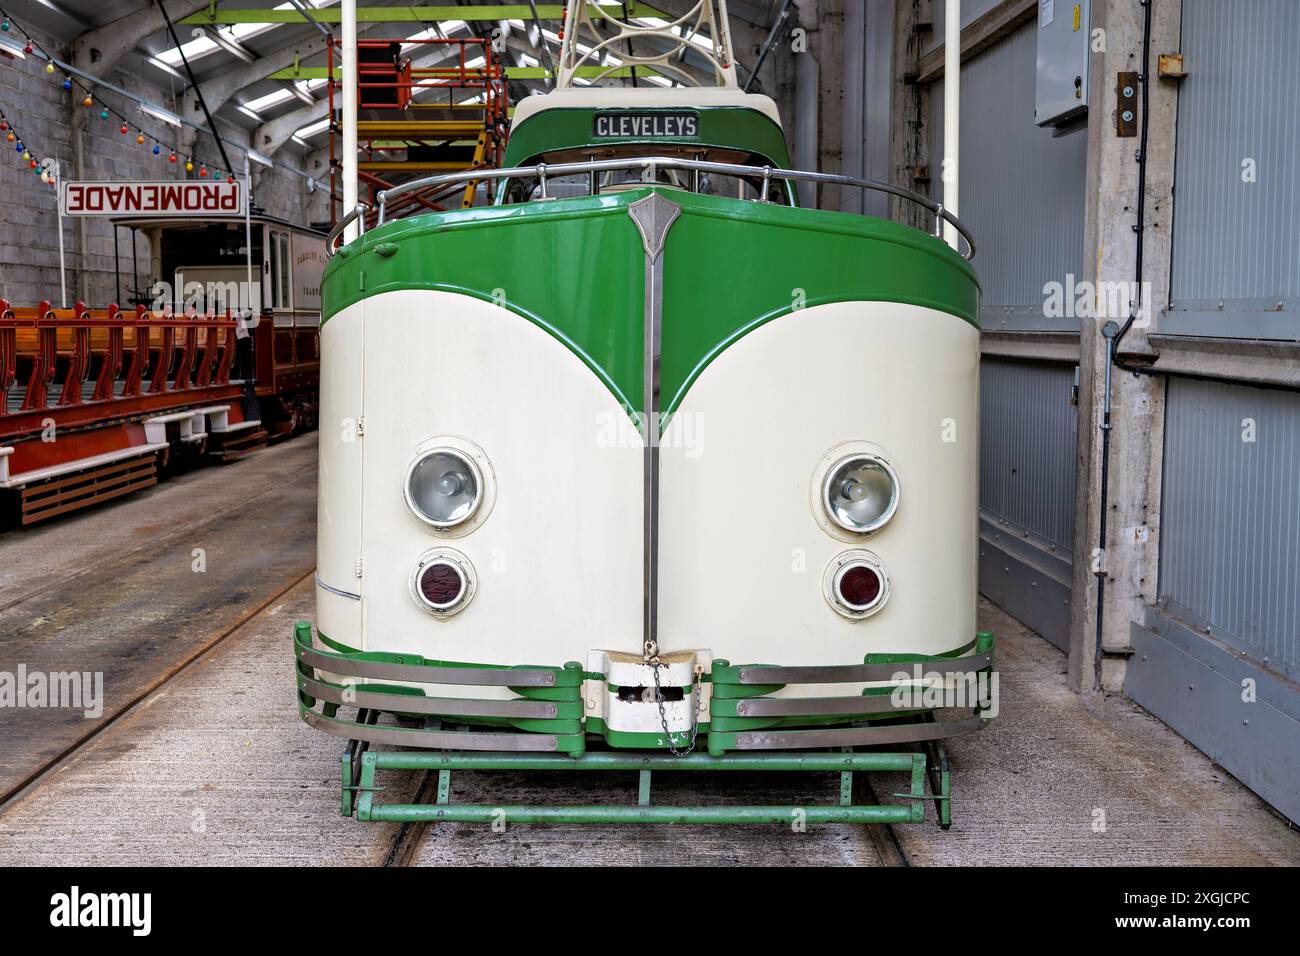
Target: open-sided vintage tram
column 647, row 466
column 96, row 403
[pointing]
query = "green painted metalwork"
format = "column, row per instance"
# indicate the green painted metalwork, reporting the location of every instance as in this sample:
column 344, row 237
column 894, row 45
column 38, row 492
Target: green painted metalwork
column 643, row 788
column 836, row 762
column 554, row 130
column 438, row 13
column 730, row 266
column 565, row 724
column 843, row 811
column 612, row 815
column 779, row 260
column 359, row 764
column 639, row 740
column 527, row 252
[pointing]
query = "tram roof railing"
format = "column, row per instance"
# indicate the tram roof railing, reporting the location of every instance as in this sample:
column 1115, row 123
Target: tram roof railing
column 650, row 165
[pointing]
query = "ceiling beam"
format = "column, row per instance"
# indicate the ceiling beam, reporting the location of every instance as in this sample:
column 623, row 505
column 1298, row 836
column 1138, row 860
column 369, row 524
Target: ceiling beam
column 103, row 48
column 270, row 136
column 429, row 14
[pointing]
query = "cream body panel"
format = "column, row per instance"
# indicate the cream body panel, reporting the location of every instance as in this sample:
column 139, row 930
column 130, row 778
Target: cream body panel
column 338, row 511
column 558, row 559
column 742, row 554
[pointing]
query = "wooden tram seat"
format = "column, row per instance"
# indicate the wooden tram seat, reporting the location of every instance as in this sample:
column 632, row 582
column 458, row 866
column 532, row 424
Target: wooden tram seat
column 83, row 357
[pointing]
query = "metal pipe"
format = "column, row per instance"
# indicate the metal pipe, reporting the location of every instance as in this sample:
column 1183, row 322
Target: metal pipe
column 248, row 235
column 306, row 15
column 951, row 111
column 358, row 215
column 772, row 35
column 466, row 813
column 1109, row 331
column 198, row 90
column 669, row 162
column 605, row 760
column 547, row 62
column 1139, row 227
column 349, row 93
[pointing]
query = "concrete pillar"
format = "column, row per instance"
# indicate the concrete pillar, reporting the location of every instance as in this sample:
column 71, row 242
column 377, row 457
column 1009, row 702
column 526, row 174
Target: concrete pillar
column 1129, row 560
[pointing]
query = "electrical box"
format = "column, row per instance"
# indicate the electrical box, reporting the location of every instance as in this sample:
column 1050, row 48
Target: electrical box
column 1062, row 74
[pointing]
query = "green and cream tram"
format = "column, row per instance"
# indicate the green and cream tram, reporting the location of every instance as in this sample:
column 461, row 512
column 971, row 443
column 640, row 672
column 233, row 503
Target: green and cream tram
column 646, row 466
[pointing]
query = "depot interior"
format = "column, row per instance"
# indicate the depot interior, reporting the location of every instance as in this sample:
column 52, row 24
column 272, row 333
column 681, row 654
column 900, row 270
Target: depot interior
column 1105, row 147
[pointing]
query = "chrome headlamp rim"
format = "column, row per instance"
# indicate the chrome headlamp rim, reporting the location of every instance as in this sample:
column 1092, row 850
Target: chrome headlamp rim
column 476, row 475
column 841, row 565
column 445, row 557
column 884, row 519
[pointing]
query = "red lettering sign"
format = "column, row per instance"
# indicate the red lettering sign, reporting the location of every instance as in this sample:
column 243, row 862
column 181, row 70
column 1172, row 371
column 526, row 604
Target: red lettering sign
column 152, row 199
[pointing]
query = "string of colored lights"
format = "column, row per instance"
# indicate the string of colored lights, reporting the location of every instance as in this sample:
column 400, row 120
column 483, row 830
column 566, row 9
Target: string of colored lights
column 90, row 100
column 71, row 83
column 13, row 138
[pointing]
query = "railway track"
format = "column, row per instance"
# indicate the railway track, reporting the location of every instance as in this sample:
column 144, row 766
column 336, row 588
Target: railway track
column 153, row 687
column 150, row 586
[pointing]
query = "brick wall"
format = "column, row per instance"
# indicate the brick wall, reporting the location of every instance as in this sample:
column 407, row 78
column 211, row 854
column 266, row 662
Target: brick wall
column 43, row 113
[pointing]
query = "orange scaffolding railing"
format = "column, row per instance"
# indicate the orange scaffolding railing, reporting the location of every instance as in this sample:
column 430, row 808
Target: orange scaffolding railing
column 424, row 106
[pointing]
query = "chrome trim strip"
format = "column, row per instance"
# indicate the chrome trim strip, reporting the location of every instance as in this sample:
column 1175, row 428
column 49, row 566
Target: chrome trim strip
column 759, row 674
column 653, row 216
column 345, row 666
column 410, row 704
column 332, row 590
column 433, row 739
column 801, row 706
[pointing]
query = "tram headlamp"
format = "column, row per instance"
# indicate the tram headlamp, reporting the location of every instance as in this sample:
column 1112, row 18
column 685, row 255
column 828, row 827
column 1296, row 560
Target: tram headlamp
column 443, row 487
column 861, row 493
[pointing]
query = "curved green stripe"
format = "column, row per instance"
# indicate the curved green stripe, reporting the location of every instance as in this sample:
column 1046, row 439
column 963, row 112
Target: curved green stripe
column 572, row 267
column 576, row 269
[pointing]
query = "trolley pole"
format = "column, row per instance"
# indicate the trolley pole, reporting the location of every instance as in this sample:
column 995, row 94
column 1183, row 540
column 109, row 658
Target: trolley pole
column 951, row 113
column 349, row 119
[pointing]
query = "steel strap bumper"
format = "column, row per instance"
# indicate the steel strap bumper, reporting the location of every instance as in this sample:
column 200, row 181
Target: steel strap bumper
column 859, row 673
column 743, row 715
column 364, row 665
column 431, row 739
column 853, row 736
column 546, row 718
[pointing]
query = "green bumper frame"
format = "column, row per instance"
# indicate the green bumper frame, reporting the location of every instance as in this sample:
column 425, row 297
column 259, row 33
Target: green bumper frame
column 542, row 728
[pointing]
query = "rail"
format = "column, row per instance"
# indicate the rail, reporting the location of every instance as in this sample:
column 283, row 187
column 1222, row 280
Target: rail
column 651, row 165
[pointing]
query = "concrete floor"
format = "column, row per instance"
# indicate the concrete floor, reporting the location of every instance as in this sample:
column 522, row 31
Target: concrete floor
column 215, row 768
column 134, row 591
